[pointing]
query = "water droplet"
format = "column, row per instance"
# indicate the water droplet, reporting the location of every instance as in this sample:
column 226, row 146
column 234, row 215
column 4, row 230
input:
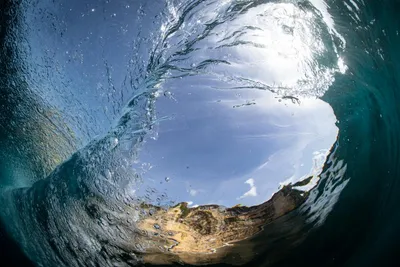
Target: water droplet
column 110, row 218
column 103, row 222
column 157, row 226
column 107, row 174
column 167, row 179
column 113, row 142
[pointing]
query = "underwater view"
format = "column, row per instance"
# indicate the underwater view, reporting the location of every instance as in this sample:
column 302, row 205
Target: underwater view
column 199, row 132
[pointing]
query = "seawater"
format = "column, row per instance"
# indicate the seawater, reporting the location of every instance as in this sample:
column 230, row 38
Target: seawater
column 351, row 217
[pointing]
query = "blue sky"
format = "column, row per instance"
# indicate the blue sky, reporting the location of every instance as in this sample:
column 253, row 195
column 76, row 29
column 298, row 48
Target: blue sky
column 211, row 152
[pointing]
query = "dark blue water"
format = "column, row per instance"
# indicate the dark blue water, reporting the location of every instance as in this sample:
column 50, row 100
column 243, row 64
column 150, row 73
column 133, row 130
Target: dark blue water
column 78, row 99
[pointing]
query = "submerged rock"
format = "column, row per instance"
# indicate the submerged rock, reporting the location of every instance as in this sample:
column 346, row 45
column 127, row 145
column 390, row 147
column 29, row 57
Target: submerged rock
column 207, row 234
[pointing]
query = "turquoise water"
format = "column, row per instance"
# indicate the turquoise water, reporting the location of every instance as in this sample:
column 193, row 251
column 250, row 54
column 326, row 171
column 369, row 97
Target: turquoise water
column 350, row 218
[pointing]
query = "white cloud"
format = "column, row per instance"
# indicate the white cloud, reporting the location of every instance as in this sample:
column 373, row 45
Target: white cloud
column 193, row 192
column 253, row 189
column 191, row 204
